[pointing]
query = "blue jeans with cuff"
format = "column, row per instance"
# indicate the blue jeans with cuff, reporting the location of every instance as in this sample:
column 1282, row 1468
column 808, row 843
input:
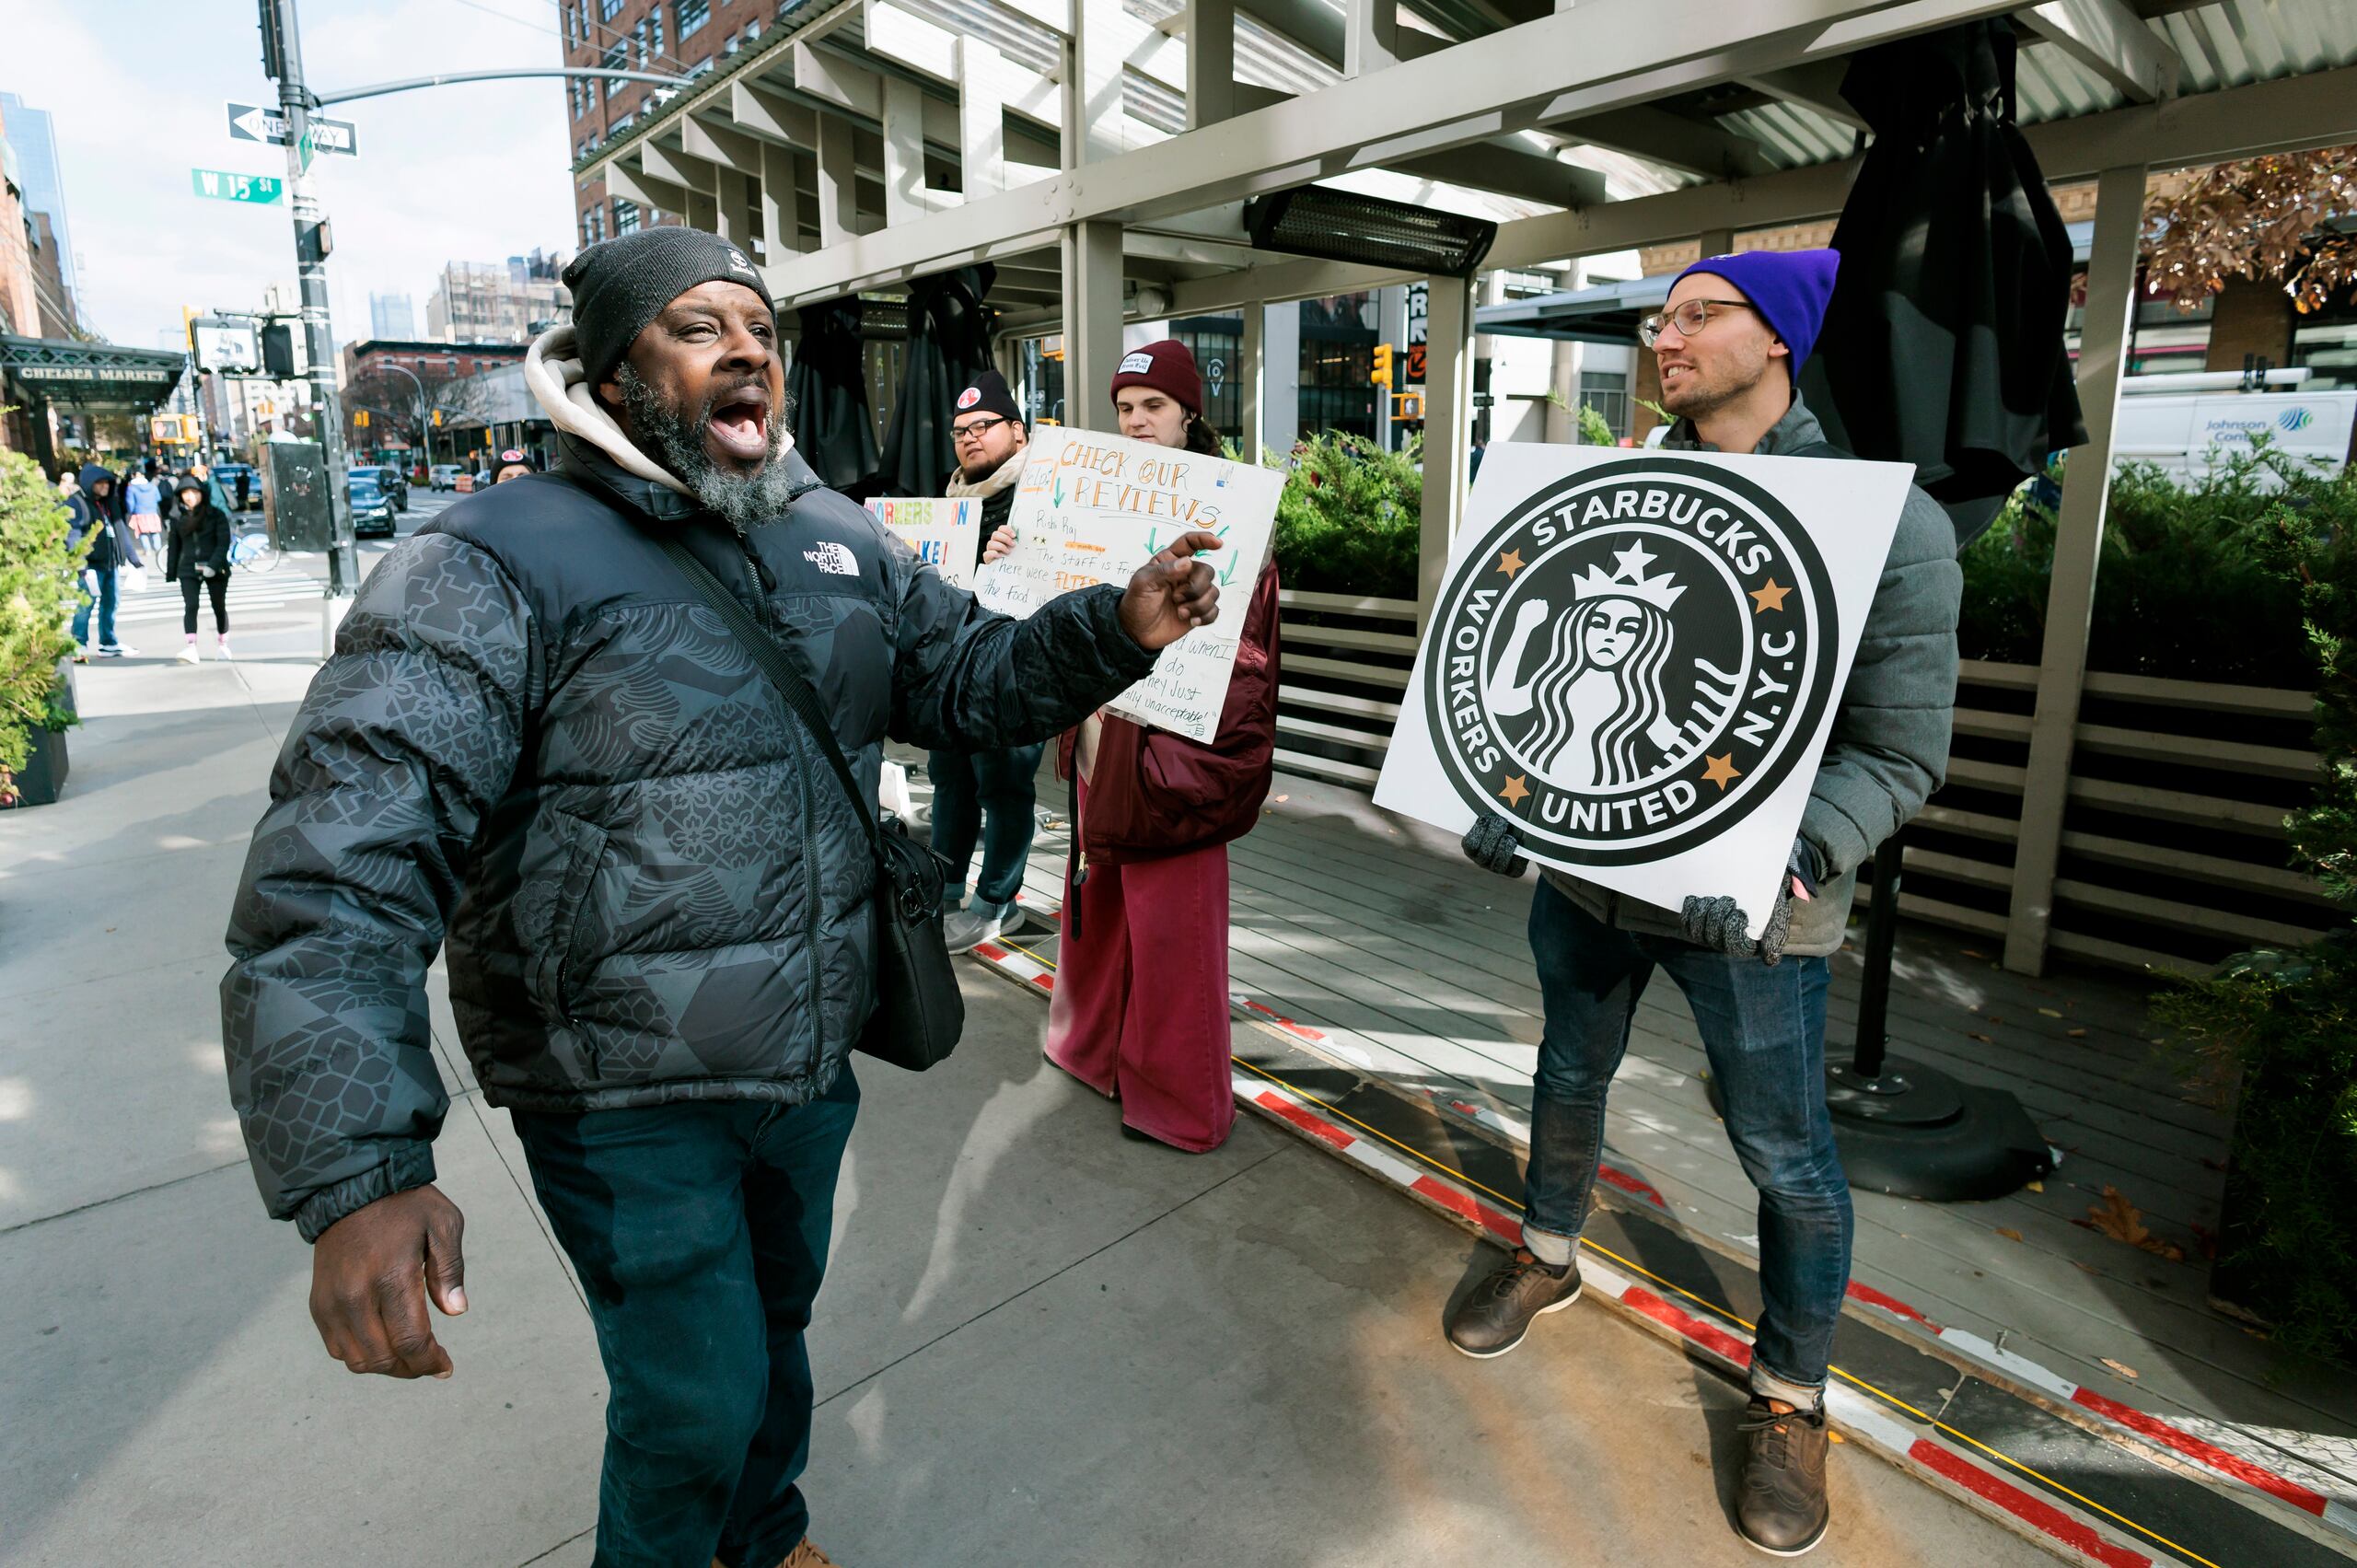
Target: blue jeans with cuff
column 1763, row 1029
column 988, row 796
column 700, row 1231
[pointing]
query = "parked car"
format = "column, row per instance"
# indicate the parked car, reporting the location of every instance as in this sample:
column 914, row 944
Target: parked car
column 227, row 475
column 390, row 480
column 444, row 476
column 372, row 509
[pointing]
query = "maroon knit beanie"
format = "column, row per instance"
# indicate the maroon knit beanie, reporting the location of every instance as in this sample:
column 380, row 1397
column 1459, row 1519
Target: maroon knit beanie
column 1167, row 366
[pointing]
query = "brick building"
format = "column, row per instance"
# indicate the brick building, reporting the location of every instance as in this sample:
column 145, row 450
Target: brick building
column 684, row 38
column 426, row 357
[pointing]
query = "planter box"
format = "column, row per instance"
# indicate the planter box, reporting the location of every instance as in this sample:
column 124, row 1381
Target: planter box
column 44, row 775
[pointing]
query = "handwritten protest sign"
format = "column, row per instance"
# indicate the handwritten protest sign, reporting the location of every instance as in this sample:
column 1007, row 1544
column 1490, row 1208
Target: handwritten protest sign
column 1636, row 659
column 1093, row 508
column 946, row 535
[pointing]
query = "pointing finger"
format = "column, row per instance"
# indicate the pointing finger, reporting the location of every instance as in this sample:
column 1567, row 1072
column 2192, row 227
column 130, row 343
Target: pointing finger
column 1190, row 543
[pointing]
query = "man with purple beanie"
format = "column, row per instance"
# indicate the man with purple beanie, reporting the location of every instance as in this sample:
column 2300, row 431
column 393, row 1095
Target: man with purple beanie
column 1730, row 341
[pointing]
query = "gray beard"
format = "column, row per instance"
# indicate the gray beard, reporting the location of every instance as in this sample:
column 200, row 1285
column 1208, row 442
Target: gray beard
column 675, row 437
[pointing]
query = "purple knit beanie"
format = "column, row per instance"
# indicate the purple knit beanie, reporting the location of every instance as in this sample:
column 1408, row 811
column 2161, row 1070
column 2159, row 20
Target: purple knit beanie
column 1789, row 288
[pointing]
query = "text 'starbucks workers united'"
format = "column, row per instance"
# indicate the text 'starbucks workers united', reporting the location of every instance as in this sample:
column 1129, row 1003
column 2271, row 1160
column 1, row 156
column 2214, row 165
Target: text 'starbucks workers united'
column 1634, row 662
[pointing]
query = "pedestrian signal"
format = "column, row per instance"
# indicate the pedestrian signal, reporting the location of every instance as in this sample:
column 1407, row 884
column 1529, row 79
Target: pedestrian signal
column 278, row 351
column 1381, row 376
column 1408, row 407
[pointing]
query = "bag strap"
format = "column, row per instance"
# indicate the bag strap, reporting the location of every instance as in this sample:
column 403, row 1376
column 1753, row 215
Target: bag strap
column 775, row 663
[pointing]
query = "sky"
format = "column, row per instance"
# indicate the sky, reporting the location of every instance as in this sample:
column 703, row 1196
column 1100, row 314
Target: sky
column 472, row 172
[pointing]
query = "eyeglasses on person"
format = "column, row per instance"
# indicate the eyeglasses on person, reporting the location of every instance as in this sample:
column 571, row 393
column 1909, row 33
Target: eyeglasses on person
column 1688, row 319
column 979, row 429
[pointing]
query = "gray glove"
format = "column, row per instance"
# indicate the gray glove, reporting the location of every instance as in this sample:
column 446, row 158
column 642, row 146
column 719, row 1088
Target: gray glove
column 1491, row 845
column 1721, row 924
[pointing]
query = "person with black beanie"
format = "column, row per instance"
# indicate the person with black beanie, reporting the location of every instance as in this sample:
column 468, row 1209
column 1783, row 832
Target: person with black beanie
column 198, row 557
column 550, row 741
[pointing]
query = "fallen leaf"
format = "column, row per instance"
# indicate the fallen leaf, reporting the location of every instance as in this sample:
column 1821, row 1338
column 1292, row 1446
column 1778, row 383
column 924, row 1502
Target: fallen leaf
column 2086, row 1268
column 2009, row 1233
column 2117, row 1218
column 1970, row 954
column 1994, row 1019
column 2122, row 1367
column 2076, row 1034
column 2036, row 1186
column 1833, row 1436
column 1283, row 798
column 2049, row 1012
column 1982, row 1039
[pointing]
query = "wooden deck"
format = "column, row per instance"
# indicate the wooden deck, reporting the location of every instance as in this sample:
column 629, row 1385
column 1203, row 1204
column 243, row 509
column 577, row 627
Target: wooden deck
column 1371, row 929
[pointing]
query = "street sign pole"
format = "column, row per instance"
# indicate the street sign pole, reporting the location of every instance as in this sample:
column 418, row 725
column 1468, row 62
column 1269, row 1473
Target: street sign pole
column 278, row 24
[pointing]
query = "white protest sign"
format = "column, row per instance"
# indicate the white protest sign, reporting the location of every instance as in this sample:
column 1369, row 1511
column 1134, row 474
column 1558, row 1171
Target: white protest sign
column 1636, row 659
column 946, row 535
column 1093, row 508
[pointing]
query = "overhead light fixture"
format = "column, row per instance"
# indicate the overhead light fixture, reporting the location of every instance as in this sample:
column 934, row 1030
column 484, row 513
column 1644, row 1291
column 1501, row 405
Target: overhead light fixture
column 1342, row 226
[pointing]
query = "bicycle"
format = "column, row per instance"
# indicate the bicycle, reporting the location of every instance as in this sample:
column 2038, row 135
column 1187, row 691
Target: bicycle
column 253, row 548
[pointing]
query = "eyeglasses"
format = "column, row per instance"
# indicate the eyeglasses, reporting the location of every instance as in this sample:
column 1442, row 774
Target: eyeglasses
column 1688, row 319
column 979, row 429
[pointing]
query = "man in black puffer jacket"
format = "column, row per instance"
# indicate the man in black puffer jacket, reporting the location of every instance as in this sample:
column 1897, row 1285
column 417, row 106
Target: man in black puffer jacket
column 535, row 738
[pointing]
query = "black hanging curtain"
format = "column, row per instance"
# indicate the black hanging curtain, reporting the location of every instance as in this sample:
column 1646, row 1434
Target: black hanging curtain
column 828, row 387
column 1943, row 343
column 949, row 341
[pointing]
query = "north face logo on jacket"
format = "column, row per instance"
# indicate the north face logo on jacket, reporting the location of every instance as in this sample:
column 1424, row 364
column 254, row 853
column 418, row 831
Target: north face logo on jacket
column 834, row 557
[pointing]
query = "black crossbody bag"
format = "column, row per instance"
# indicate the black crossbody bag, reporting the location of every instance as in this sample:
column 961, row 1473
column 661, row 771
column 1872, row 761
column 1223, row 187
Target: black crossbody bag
column 919, row 1012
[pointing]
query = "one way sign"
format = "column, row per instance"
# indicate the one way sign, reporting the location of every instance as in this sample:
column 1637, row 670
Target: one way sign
column 251, row 122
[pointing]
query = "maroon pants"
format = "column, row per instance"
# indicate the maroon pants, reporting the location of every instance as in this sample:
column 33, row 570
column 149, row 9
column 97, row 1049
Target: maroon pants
column 1139, row 1007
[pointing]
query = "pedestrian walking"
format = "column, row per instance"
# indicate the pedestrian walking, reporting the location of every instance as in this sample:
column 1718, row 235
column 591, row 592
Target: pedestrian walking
column 1140, row 1009
column 1735, row 332
column 112, row 549
column 145, row 499
column 985, row 796
column 539, row 734
column 200, row 559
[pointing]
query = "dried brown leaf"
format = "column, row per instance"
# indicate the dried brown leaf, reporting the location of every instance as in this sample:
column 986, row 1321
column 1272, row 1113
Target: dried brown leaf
column 2009, row 1233
column 2117, row 1218
column 2119, row 1366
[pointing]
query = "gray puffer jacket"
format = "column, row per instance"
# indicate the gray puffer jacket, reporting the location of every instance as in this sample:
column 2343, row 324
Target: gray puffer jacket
column 533, row 738
column 1888, row 748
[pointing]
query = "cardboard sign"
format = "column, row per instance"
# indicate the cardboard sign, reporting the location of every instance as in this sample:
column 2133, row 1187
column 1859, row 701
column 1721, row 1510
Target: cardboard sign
column 1636, row 659
column 946, row 535
column 1093, row 508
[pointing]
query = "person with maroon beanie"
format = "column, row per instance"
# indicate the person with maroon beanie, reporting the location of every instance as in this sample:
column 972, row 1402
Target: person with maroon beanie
column 1140, row 1009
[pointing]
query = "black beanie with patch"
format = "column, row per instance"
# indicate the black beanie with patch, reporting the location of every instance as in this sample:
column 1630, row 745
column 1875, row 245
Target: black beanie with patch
column 621, row 284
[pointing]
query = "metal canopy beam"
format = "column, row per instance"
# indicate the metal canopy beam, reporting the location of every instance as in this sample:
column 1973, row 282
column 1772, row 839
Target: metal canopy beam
column 1671, row 140
column 2112, row 40
column 1814, row 87
column 1603, row 56
column 1509, row 169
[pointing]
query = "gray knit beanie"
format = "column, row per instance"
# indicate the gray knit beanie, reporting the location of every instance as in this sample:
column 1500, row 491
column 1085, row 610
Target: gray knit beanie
column 621, row 284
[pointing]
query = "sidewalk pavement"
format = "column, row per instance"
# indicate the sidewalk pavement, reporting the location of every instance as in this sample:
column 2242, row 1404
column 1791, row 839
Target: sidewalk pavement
column 1039, row 1345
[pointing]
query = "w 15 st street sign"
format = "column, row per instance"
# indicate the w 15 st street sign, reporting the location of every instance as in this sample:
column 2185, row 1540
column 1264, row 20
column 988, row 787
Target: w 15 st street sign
column 224, row 186
column 252, row 122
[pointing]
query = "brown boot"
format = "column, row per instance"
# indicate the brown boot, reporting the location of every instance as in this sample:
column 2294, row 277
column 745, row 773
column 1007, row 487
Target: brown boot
column 804, row 1555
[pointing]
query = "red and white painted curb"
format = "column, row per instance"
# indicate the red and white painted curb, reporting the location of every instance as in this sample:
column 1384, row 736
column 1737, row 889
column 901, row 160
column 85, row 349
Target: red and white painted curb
column 1856, row 1415
column 2219, row 1450
column 2210, row 1446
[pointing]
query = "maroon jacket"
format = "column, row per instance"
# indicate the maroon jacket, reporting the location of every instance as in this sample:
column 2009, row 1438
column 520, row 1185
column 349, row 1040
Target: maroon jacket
column 1156, row 793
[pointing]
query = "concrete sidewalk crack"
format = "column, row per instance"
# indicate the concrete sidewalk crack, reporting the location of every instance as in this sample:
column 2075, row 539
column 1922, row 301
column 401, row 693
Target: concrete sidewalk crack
column 119, row 1197
column 1050, row 1279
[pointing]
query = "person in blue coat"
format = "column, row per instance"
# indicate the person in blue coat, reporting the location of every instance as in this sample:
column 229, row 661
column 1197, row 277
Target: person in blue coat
column 112, row 549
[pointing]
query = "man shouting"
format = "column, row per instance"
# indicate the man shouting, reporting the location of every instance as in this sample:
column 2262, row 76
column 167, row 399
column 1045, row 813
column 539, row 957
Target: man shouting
column 536, row 743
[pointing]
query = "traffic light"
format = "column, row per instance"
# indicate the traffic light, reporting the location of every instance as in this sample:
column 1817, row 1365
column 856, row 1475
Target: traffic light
column 278, row 351
column 437, row 419
column 1407, row 408
column 360, row 418
column 1381, row 376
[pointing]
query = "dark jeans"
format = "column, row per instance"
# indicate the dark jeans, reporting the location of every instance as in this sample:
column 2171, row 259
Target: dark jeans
column 700, row 1232
column 110, row 587
column 971, row 788
column 1763, row 1029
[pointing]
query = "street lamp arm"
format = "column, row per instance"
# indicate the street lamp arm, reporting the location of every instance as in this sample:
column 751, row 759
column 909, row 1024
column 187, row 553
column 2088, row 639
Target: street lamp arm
column 322, row 101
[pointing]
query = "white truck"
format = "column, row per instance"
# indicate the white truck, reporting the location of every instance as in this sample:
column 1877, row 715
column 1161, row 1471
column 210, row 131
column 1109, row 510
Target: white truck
column 2183, row 423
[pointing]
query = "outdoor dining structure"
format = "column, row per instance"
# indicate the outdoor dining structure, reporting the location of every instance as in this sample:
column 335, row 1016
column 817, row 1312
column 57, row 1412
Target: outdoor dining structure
column 1099, row 170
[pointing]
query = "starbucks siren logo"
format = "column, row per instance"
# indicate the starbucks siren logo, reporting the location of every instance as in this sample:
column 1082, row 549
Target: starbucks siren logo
column 1635, row 664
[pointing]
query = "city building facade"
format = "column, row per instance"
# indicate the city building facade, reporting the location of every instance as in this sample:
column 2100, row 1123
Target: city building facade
column 476, row 302
column 391, row 315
